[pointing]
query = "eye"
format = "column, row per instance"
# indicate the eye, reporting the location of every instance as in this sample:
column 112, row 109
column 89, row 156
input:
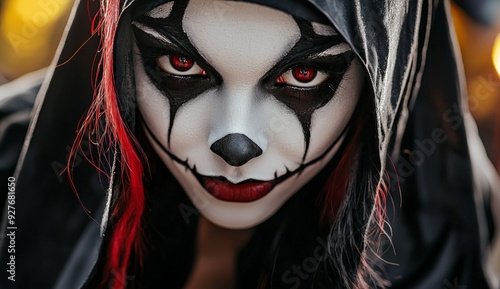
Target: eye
column 302, row 76
column 180, row 65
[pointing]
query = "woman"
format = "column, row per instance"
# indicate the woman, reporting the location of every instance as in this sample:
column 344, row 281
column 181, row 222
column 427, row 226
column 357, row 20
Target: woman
column 252, row 145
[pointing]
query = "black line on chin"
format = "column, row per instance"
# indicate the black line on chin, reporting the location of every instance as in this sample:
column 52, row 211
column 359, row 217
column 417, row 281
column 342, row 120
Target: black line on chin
column 171, row 155
column 301, row 169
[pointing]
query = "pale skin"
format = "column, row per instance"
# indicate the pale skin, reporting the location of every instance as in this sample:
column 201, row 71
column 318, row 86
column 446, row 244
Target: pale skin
column 224, row 85
column 295, row 115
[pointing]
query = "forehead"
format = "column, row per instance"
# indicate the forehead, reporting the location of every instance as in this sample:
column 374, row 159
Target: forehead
column 233, row 36
column 227, row 32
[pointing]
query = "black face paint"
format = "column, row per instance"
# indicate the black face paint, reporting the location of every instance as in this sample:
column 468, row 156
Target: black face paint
column 277, row 179
column 304, row 101
column 178, row 89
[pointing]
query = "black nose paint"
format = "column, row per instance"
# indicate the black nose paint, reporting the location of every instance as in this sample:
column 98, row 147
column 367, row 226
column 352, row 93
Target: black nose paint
column 236, row 149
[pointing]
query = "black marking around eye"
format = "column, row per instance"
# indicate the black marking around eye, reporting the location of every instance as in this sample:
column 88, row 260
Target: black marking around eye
column 304, row 101
column 177, row 89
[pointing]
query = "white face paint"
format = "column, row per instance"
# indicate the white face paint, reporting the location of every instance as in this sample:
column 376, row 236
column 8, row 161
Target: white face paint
column 241, row 108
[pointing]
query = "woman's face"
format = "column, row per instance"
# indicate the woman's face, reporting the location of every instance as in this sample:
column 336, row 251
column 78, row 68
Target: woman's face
column 243, row 103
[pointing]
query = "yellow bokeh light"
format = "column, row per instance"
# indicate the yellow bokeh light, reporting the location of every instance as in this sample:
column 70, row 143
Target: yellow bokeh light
column 29, row 33
column 496, row 54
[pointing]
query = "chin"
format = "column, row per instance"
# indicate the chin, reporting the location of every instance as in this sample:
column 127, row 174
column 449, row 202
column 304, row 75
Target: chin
column 229, row 214
column 239, row 214
column 243, row 205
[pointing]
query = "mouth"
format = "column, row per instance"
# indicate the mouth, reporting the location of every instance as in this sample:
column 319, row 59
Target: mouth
column 247, row 191
column 220, row 188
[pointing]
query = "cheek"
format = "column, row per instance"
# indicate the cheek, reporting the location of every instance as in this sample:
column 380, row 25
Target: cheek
column 284, row 133
column 153, row 106
column 329, row 121
column 267, row 122
column 193, row 123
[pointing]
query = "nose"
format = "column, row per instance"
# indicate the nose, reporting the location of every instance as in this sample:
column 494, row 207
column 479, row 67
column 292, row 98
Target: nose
column 236, row 149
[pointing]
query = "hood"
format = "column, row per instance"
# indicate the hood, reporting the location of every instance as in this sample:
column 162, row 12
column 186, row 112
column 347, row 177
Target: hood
column 390, row 38
column 414, row 97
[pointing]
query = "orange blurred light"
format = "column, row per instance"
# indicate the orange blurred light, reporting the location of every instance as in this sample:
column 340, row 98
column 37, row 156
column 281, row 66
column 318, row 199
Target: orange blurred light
column 496, row 54
column 29, row 34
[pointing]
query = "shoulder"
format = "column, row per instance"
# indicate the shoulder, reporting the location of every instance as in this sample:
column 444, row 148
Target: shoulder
column 17, row 99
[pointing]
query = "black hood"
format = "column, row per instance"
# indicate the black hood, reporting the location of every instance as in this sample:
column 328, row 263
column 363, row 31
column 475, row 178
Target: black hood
column 427, row 145
column 389, row 38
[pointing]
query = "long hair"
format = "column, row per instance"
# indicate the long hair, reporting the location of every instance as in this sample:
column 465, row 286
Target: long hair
column 353, row 198
column 354, row 205
column 105, row 124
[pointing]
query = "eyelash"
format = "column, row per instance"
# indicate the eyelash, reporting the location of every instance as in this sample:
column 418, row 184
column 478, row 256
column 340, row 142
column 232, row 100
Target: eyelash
column 179, row 65
column 172, row 61
column 302, row 76
column 299, row 76
column 315, row 73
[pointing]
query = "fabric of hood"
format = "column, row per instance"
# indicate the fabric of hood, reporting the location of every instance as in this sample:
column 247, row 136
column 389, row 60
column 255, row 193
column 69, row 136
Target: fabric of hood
column 390, row 38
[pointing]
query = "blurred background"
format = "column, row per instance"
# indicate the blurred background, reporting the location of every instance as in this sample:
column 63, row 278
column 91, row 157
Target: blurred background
column 30, row 32
column 477, row 23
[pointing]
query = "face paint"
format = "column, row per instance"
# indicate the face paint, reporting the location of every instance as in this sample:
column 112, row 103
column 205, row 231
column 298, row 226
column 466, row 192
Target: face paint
column 243, row 103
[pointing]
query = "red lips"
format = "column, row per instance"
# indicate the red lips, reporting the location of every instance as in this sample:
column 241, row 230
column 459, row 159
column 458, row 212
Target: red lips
column 246, row 192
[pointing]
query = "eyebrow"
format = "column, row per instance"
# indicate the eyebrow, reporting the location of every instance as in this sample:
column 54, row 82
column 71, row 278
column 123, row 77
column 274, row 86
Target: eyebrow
column 154, row 33
column 317, row 41
column 311, row 46
column 334, row 50
column 296, row 55
column 169, row 39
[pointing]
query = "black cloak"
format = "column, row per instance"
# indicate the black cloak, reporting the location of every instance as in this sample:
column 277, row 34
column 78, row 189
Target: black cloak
column 428, row 144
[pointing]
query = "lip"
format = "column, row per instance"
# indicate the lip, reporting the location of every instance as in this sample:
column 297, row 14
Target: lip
column 247, row 191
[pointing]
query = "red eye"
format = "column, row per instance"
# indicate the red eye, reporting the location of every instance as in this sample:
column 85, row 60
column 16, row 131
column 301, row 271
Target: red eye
column 181, row 63
column 304, row 74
